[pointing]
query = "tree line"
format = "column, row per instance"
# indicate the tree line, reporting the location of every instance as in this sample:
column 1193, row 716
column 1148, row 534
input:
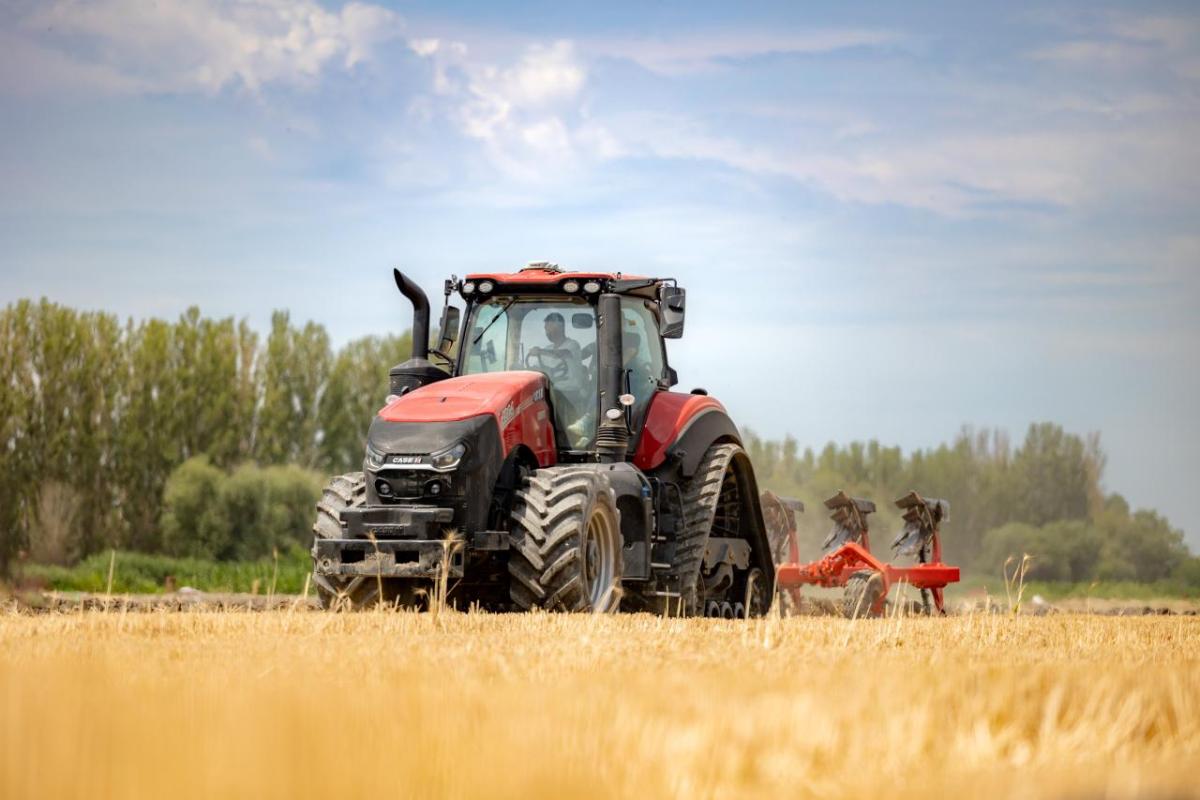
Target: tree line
column 1043, row 497
column 198, row 437
column 96, row 414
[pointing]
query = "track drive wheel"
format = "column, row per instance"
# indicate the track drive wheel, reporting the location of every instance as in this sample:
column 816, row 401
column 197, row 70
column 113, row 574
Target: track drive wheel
column 863, row 592
column 355, row 592
column 567, row 551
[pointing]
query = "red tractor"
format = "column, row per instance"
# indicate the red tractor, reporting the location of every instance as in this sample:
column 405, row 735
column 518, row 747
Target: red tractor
column 544, row 462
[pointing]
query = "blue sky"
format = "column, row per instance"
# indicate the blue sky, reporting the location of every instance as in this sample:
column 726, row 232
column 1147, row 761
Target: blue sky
column 894, row 219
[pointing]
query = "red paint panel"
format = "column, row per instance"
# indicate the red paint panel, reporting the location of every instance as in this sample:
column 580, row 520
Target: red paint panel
column 669, row 414
column 516, row 399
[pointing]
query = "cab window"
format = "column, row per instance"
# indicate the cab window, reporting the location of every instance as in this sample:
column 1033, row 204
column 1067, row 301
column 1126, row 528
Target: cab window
column 642, row 353
column 556, row 337
column 487, row 341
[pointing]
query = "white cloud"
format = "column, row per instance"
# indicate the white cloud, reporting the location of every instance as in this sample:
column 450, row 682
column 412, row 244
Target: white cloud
column 495, row 100
column 526, row 113
column 208, row 45
column 1088, row 53
column 684, row 54
column 953, row 173
column 1125, row 42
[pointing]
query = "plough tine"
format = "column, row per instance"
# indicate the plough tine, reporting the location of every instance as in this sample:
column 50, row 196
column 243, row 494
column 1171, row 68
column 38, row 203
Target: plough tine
column 922, row 517
column 849, row 519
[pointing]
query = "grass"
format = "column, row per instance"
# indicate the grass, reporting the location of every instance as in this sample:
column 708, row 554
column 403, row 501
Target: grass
column 295, row 704
column 139, row 573
column 1051, row 591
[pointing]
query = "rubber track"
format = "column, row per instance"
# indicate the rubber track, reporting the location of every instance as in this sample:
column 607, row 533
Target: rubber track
column 700, row 497
column 545, row 563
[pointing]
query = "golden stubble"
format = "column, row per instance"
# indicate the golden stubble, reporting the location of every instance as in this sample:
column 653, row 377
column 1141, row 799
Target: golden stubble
column 383, row 704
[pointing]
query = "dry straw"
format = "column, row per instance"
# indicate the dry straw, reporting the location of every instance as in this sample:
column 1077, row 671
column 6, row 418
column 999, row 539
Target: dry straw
column 393, row 703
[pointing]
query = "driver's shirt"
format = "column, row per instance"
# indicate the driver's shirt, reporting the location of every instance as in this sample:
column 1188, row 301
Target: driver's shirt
column 570, row 346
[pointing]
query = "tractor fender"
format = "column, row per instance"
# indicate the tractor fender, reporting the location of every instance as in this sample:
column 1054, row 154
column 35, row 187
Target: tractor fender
column 679, row 429
column 680, row 443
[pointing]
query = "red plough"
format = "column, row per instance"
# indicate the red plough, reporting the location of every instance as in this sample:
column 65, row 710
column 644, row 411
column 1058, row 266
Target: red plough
column 851, row 564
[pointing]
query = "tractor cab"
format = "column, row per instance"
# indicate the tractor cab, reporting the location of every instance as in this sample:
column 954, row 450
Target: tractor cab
column 596, row 337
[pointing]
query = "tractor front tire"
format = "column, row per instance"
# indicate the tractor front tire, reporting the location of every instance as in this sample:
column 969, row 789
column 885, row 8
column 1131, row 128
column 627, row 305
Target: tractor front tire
column 567, row 552
column 863, row 592
column 359, row 591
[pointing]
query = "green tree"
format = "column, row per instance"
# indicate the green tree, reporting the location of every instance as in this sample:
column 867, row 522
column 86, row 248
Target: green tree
column 354, row 394
column 293, row 372
column 18, row 443
column 1056, row 475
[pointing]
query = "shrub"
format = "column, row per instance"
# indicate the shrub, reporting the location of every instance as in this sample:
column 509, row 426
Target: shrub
column 242, row 516
column 193, row 522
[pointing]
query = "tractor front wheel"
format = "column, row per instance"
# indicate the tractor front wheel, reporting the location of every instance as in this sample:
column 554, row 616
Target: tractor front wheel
column 355, row 592
column 567, row 547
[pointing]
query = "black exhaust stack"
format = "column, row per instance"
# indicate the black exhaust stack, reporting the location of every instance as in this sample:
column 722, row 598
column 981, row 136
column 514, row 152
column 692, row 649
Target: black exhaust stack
column 420, row 326
column 418, row 371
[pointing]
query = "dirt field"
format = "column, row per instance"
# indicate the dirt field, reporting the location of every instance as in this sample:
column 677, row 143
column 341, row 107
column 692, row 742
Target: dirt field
column 279, row 704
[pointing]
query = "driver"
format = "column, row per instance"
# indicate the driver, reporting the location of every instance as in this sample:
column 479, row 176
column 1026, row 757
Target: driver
column 561, row 345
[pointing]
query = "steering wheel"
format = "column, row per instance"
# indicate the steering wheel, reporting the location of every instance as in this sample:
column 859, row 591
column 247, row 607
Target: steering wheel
column 553, row 371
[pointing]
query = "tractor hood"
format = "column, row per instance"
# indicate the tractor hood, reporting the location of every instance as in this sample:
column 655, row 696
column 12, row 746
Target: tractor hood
column 464, row 397
column 516, row 400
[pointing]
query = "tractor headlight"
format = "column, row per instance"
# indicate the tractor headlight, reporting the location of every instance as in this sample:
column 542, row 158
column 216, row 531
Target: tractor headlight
column 448, row 459
column 591, row 287
column 468, row 288
column 571, row 287
column 374, row 457
column 486, row 286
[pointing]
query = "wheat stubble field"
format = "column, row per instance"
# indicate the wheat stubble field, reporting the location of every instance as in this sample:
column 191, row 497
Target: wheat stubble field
column 281, row 704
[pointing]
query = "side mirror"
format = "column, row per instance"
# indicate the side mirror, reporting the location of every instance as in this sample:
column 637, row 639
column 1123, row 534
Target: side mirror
column 671, row 302
column 448, row 330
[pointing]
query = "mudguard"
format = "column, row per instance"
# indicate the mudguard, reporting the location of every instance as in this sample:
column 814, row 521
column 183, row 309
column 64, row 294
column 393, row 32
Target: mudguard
column 679, row 428
column 678, row 431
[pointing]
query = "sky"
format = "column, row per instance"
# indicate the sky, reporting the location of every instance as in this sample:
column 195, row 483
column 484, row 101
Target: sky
column 893, row 219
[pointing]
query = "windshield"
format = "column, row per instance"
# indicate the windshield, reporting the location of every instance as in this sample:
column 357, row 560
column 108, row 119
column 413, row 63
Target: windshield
column 554, row 336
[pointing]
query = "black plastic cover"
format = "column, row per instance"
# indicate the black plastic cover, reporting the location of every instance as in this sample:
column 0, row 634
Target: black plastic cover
column 470, row 485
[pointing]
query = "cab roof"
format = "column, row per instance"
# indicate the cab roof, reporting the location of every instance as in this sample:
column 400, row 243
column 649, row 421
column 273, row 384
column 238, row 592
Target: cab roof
column 549, row 273
column 543, row 277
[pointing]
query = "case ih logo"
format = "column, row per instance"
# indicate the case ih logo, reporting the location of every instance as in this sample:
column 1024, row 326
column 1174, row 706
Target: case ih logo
column 405, row 459
column 506, row 416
